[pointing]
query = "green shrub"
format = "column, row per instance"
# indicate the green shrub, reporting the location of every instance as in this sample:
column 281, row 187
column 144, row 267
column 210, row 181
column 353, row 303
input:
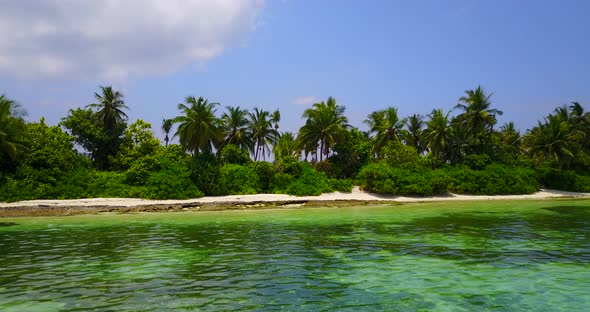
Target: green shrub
column 280, row 182
column 265, row 172
column 205, row 173
column 307, row 182
column 477, row 161
column 341, row 185
column 310, row 182
column 565, row 180
column 290, row 165
column 173, row 182
column 326, row 167
column 385, row 179
column 231, row 154
column 402, row 156
column 236, row 179
column 30, row 183
column 140, row 170
column 111, row 184
column 495, row 179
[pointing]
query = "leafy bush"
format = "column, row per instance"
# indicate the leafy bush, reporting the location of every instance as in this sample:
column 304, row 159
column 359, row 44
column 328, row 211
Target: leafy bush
column 310, row 182
column 236, row 179
column 477, row 161
column 565, row 180
column 205, row 173
column 341, row 185
column 326, row 167
column 281, row 182
column 231, row 154
column 402, row 156
column 495, row 179
column 350, row 154
column 111, row 184
column 385, row 179
column 265, row 172
column 140, row 170
column 172, row 182
column 290, row 165
column 307, row 182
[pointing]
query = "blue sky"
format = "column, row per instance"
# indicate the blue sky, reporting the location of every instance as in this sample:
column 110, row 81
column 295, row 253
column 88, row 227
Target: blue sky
column 414, row 55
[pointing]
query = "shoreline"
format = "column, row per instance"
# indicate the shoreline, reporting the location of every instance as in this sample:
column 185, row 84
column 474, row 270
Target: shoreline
column 245, row 202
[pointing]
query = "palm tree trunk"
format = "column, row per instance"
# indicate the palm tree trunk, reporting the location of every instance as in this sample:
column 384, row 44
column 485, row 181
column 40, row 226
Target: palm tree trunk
column 256, row 152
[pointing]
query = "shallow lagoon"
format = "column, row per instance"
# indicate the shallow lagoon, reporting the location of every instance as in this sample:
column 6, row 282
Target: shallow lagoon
column 453, row 256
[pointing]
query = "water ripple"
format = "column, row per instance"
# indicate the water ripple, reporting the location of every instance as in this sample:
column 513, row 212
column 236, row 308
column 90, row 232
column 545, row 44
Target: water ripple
column 446, row 261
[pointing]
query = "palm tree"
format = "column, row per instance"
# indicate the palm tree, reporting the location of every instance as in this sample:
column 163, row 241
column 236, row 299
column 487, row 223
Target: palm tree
column 109, row 107
column 477, row 115
column 438, row 134
column 510, row 136
column 581, row 122
column 413, row 134
column 387, row 127
column 235, row 128
column 11, row 128
column 166, row 127
column 263, row 132
column 577, row 109
column 550, row 140
column 198, row 130
column 324, row 127
column 579, row 119
column 286, row 146
column 275, row 117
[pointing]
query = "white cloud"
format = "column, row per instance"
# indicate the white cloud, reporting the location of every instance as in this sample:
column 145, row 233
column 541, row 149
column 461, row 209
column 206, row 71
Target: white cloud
column 305, row 100
column 113, row 39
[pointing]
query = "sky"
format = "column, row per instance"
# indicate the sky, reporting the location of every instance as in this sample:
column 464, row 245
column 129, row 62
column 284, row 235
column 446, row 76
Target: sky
column 287, row 54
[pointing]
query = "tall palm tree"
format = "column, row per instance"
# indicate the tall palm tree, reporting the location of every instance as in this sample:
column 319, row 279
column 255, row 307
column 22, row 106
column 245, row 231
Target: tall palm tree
column 325, row 125
column 235, row 128
column 166, row 127
column 438, row 134
column 413, row 134
column 11, row 128
column 477, row 115
column 386, row 126
column 550, row 140
column 198, row 128
column 263, row 132
column 110, row 106
column 286, row 146
column 275, row 118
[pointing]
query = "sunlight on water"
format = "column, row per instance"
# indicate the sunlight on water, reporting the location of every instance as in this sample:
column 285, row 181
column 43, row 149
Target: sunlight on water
column 472, row 256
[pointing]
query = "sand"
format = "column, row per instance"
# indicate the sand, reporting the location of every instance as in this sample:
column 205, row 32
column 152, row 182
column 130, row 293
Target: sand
column 355, row 195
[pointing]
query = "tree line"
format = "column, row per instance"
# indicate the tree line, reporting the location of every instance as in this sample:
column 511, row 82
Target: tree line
column 224, row 151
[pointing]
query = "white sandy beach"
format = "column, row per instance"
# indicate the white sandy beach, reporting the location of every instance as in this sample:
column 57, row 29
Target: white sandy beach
column 356, row 194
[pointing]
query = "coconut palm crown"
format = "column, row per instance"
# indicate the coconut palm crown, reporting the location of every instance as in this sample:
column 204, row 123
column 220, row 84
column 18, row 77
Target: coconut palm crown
column 198, row 129
column 109, row 107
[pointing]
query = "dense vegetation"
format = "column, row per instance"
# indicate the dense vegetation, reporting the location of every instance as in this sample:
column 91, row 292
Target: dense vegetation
column 94, row 152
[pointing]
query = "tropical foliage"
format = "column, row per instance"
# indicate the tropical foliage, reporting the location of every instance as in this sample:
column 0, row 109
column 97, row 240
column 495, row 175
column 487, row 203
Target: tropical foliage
column 386, row 127
column 109, row 107
column 93, row 152
column 11, row 128
column 263, row 132
column 198, row 128
column 324, row 127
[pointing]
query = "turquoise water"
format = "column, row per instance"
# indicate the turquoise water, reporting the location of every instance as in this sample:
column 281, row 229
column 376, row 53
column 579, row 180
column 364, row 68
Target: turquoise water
column 472, row 256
